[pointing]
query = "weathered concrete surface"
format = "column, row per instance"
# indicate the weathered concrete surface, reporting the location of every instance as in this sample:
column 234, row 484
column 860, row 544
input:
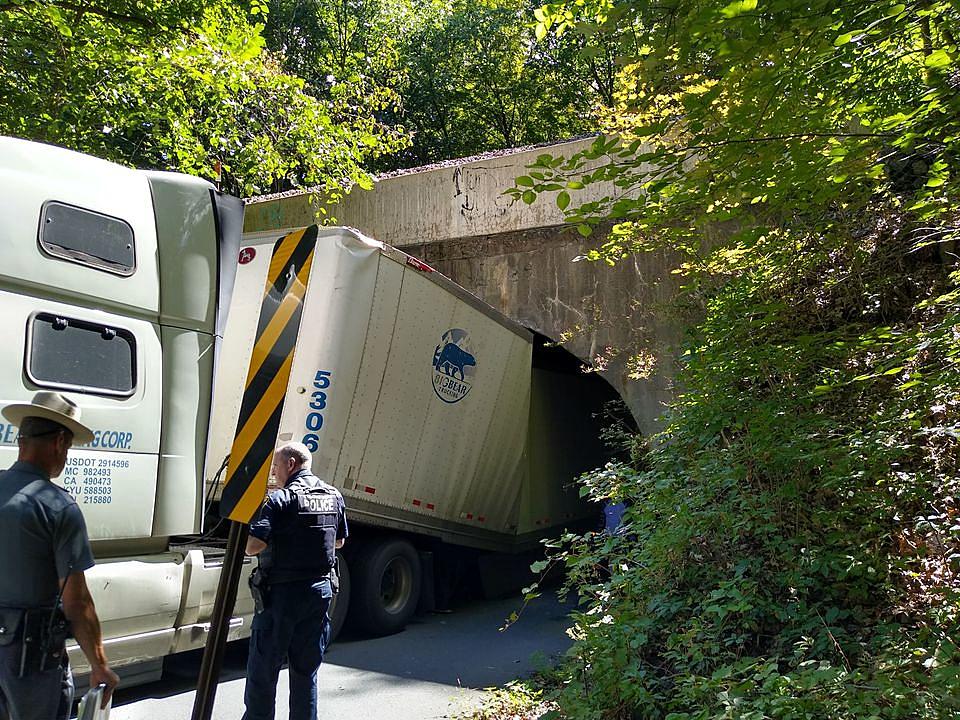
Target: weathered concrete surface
column 458, row 200
column 521, row 260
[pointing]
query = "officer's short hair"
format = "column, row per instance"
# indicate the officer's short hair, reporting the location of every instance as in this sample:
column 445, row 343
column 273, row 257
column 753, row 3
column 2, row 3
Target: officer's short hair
column 297, row 451
column 33, row 427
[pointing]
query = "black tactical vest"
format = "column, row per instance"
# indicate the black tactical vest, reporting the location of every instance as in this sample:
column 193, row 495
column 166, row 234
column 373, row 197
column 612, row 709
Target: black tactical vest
column 303, row 540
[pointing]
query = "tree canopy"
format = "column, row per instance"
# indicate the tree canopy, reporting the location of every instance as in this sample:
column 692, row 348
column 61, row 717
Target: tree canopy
column 458, row 77
column 184, row 85
column 269, row 95
column 478, row 79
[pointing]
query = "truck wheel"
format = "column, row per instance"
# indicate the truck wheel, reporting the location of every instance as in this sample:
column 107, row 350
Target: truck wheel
column 341, row 601
column 386, row 589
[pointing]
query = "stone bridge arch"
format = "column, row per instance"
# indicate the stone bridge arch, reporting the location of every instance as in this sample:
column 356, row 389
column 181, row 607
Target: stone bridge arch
column 521, row 259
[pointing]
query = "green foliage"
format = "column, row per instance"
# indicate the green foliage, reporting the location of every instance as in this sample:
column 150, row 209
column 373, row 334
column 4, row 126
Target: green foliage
column 347, row 53
column 727, row 115
column 477, row 79
column 792, row 549
column 456, row 78
column 181, row 86
column 335, row 41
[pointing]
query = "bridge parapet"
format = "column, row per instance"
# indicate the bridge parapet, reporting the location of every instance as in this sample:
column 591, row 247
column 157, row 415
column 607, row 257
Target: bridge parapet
column 454, row 199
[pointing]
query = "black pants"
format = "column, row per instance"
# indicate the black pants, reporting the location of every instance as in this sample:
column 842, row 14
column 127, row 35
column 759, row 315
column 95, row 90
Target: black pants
column 294, row 626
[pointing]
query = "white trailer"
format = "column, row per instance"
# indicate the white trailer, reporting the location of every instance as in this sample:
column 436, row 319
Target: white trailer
column 423, row 420
column 444, row 424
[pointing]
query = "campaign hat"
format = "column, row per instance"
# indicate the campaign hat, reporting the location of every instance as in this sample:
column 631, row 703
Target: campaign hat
column 54, row 407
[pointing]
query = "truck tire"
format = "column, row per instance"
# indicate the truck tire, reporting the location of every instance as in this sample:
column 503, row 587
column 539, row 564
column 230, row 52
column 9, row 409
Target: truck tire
column 341, row 601
column 386, row 586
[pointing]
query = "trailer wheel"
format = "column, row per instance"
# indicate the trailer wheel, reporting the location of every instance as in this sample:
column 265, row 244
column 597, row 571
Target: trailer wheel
column 341, row 601
column 386, row 589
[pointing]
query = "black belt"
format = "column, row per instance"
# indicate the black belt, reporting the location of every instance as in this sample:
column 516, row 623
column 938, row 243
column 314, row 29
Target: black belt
column 14, row 619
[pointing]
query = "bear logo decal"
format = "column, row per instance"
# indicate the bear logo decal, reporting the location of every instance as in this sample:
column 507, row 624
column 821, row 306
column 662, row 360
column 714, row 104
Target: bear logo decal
column 454, row 366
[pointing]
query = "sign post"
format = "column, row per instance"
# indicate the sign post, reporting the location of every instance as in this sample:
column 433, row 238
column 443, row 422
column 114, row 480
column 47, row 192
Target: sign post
column 257, row 426
column 220, row 622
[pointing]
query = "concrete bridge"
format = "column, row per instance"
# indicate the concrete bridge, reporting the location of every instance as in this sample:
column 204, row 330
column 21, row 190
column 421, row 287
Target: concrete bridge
column 519, row 258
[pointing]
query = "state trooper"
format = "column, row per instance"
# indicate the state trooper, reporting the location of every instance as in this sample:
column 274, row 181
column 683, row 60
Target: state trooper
column 296, row 536
column 44, row 553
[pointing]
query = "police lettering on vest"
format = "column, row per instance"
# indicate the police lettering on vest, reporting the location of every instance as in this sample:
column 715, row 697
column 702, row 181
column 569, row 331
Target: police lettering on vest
column 304, row 533
column 314, row 504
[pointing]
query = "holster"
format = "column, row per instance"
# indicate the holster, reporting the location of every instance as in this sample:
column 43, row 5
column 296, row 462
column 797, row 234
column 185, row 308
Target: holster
column 42, row 634
column 259, row 590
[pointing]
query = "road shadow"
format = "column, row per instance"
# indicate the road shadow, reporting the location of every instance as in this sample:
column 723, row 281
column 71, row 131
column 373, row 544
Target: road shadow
column 467, row 647
column 464, row 648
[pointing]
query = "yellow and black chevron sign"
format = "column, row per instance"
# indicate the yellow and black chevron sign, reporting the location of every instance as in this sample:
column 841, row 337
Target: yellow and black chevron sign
column 262, row 406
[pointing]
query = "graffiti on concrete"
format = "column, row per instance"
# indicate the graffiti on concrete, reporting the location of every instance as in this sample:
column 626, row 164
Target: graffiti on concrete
column 479, row 194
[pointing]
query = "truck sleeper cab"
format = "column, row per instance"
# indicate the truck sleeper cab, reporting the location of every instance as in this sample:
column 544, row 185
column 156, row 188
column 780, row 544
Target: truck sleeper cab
column 113, row 288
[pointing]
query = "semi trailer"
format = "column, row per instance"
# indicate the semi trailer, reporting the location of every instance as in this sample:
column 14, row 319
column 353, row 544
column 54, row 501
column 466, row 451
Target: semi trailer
column 452, row 431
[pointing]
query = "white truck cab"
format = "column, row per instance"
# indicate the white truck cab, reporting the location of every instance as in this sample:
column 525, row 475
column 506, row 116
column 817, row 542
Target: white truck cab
column 114, row 285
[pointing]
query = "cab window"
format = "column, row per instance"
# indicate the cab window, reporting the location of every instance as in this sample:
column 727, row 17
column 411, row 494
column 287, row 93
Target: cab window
column 70, row 354
column 88, row 238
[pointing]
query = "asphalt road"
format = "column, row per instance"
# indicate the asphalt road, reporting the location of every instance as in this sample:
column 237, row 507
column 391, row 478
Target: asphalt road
column 436, row 668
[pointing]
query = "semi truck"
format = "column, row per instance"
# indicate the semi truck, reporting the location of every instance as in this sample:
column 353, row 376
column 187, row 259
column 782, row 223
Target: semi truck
column 453, row 432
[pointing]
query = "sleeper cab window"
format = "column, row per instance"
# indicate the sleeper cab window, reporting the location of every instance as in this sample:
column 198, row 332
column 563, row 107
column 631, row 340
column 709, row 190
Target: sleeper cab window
column 87, row 238
column 68, row 354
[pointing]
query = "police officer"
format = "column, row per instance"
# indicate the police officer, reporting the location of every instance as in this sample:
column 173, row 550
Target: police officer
column 44, row 552
column 296, row 535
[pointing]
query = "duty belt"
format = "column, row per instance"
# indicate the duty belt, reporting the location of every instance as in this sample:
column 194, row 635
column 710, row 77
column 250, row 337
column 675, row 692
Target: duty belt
column 42, row 633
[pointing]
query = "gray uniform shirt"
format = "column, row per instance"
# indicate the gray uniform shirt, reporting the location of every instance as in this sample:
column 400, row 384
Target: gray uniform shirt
column 43, row 537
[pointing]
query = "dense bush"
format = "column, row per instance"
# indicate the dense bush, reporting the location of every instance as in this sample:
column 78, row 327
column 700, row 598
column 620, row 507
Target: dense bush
column 793, row 545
